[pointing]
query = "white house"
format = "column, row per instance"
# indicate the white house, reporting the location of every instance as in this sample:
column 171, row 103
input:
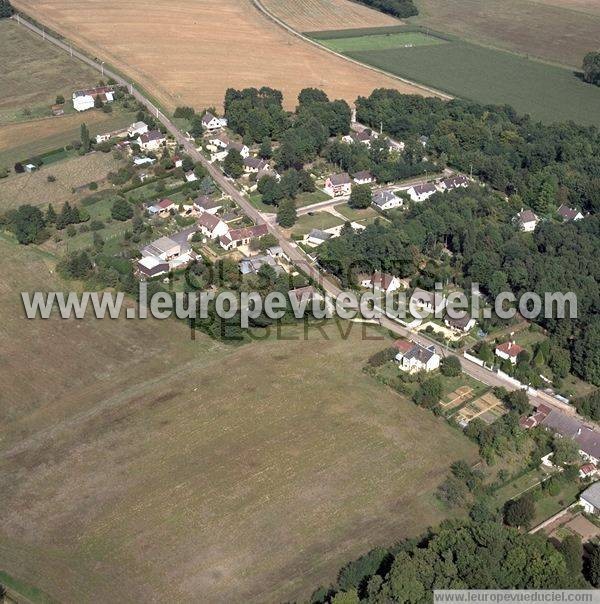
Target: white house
column 243, row 236
column 317, row 237
column 151, row 141
column 85, row 99
column 422, row 191
column 527, row 221
column 102, row 138
column 568, row 214
column 254, row 165
column 204, row 203
column 218, row 142
column 212, row 226
column 413, row 357
column 165, row 254
column 338, row 184
column 427, row 301
column 212, row 123
column 454, row 182
column 137, row 129
column 363, row 178
column 382, row 281
column 509, row 351
column 463, row 323
column 386, row 200
column 590, row 499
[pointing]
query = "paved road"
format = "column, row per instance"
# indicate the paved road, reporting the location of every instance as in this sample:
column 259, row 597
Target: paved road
column 296, row 255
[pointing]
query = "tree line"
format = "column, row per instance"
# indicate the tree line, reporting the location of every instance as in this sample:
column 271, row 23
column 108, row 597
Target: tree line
column 397, row 8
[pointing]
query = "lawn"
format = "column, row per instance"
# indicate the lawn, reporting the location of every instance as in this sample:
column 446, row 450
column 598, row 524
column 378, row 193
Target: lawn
column 381, row 41
column 50, row 72
column 319, row 220
column 368, row 214
column 491, row 76
column 215, row 472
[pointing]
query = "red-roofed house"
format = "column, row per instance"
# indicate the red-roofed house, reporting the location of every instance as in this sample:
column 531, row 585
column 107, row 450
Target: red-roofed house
column 382, row 281
column 403, row 346
column 509, row 351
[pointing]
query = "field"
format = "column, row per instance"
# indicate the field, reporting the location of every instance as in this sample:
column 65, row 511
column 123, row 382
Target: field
column 381, row 41
column 315, row 15
column 72, row 173
column 20, row 141
column 155, row 467
column 194, row 57
column 49, row 72
column 560, row 31
column 486, row 75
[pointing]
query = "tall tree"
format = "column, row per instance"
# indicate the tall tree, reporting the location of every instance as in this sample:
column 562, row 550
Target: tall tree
column 86, row 143
column 234, row 164
column 591, row 68
column 286, row 214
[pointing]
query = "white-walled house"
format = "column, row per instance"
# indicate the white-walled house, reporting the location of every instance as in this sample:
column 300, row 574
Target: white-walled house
column 422, row 191
column 429, row 302
column 363, row 177
column 382, row 281
column 509, row 351
column 463, row 323
column 455, row 182
column 151, row 141
column 85, row 99
column 527, row 221
column 212, row 226
column 211, row 123
column 386, row 200
column 413, row 357
column 137, row 129
column 590, row 499
column 569, row 214
column 242, row 236
column 338, row 184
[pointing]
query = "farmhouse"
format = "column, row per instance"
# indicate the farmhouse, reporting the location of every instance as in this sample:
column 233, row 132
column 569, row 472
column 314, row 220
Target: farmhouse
column 509, row 351
column 422, row 191
column 464, row 324
column 455, row 182
column 569, row 214
column 243, row 236
column 212, row 226
column 253, row 165
column 363, row 178
column 206, row 204
column 151, row 141
column 85, row 99
column 338, row 184
column 428, row 302
column 413, row 357
column 212, row 123
column 137, row 129
column 386, row 200
column 526, row 220
column 590, row 499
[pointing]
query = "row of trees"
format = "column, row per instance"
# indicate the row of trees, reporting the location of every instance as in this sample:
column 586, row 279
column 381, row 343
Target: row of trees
column 397, row 8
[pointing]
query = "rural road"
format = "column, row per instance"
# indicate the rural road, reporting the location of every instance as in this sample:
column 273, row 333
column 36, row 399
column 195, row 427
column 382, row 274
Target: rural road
column 294, row 253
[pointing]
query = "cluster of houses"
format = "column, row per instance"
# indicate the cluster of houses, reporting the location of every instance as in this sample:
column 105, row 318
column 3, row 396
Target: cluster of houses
column 86, row 99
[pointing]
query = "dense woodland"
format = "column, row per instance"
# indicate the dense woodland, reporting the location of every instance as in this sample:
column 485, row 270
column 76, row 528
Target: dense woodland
column 460, row 555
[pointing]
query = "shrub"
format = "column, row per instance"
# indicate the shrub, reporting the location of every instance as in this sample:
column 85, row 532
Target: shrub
column 93, row 186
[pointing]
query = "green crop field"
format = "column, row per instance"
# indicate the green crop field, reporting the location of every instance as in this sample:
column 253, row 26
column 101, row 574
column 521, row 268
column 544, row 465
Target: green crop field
column 485, row 75
column 382, row 41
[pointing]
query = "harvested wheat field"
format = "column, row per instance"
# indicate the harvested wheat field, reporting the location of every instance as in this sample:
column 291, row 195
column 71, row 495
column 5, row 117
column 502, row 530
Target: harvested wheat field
column 187, row 52
column 321, row 15
column 139, row 466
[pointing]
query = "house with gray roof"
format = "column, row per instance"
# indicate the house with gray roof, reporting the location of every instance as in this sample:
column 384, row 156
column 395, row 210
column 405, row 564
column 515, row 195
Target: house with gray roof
column 590, row 499
column 413, row 358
